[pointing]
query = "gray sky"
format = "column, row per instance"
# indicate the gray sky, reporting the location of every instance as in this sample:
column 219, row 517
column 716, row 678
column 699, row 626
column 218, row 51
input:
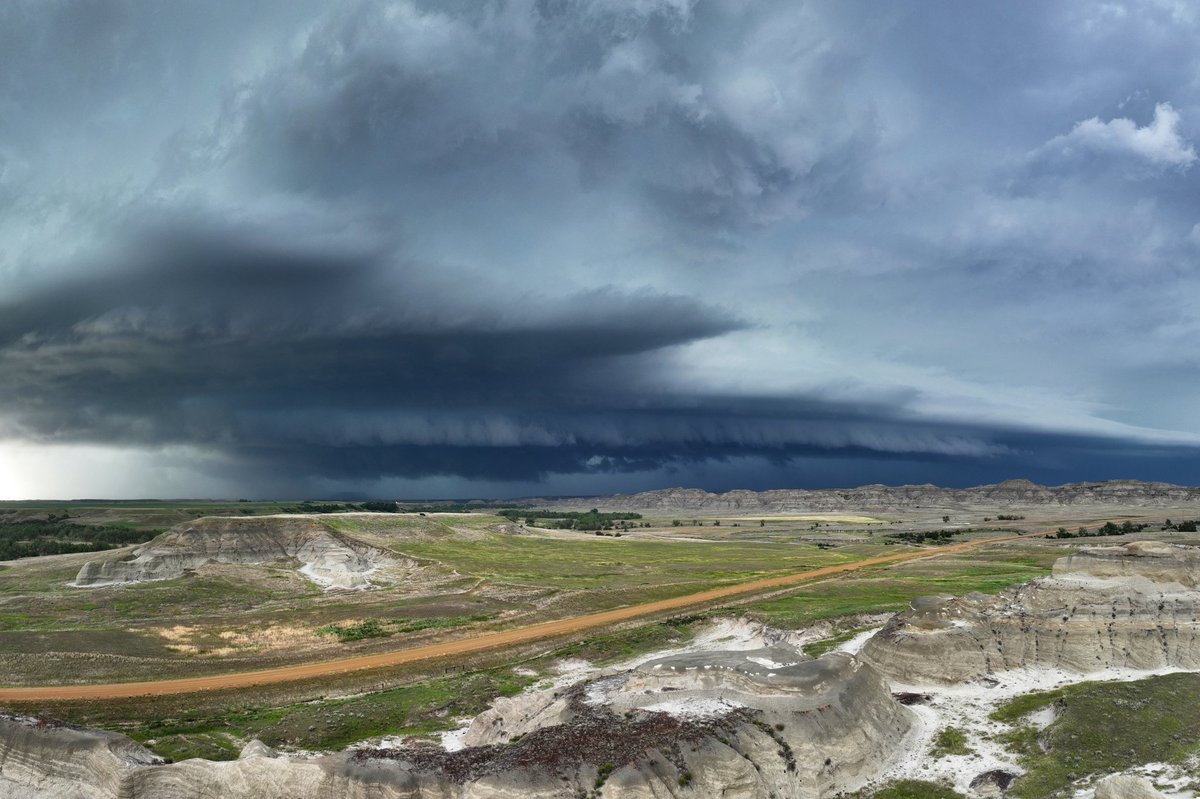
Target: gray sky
column 576, row 246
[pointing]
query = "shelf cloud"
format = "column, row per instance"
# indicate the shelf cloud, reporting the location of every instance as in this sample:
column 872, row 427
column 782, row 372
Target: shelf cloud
column 397, row 247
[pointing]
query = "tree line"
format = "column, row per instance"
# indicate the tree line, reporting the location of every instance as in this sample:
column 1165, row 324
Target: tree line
column 1108, row 528
column 593, row 519
column 55, row 535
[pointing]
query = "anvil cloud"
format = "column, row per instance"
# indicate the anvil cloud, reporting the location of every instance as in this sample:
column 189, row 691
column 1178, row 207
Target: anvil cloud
column 409, row 248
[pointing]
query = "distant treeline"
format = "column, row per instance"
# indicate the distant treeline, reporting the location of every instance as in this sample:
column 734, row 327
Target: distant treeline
column 1108, row 528
column 560, row 519
column 936, row 536
column 55, row 535
column 340, row 507
column 569, row 519
column 397, row 507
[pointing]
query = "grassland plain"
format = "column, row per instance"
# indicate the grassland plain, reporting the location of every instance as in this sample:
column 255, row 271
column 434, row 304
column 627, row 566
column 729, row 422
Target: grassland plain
column 893, row 588
column 477, row 572
column 139, row 514
column 415, row 701
column 425, row 700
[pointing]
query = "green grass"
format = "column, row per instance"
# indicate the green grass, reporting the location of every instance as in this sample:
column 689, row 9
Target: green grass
column 370, row 628
column 427, row 706
column 208, row 744
column 423, row 707
column 891, row 589
column 446, row 623
column 913, row 789
column 1017, row 708
column 614, row 563
column 1103, row 728
column 950, row 741
column 375, row 628
column 821, row 647
column 624, row 644
column 195, row 726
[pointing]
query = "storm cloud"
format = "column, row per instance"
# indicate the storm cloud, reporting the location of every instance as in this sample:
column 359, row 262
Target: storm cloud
column 570, row 246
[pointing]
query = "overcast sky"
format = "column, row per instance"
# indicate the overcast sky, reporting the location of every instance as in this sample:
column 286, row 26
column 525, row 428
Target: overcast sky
column 469, row 248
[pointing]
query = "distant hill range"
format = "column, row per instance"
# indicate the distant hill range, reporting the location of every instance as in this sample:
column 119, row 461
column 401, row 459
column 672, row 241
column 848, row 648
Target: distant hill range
column 1010, row 493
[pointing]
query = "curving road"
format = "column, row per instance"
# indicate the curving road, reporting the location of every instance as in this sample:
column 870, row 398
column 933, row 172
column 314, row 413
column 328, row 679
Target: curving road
column 479, row 643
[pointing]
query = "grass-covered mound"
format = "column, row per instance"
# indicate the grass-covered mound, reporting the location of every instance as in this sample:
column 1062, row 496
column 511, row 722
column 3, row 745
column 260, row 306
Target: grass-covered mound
column 1103, row 728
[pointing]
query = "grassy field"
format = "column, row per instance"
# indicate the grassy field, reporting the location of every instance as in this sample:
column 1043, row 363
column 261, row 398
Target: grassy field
column 476, row 571
column 912, row 789
column 139, row 514
column 422, row 707
column 217, row 727
column 892, row 588
column 607, row 564
column 1103, row 728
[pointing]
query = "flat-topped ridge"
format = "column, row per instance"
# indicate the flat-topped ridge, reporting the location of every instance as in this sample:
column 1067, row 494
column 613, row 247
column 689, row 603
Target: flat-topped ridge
column 1129, row 493
column 327, row 557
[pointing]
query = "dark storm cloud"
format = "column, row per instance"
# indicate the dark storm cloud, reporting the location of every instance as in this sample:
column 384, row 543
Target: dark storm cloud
column 513, row 243
column 209, row 340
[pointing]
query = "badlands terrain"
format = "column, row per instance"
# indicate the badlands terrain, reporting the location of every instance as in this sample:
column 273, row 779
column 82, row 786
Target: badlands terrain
column 1005, row 640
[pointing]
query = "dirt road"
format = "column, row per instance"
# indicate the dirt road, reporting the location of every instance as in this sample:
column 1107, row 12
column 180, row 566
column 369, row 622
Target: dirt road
column 479, row 643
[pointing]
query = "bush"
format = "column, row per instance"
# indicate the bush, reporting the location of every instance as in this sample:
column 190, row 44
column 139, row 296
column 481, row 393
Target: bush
column 371, row 628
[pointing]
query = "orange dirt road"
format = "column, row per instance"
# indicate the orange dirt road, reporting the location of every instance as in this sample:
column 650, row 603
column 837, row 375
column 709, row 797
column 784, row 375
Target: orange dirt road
column 479, row 643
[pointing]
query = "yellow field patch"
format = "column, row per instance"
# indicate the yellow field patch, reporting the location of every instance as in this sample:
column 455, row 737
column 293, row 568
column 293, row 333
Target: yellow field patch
column 200, row 641
column 814, row 517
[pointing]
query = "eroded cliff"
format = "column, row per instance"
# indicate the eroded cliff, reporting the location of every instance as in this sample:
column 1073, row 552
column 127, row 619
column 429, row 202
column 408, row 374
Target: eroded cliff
column 328, row 558
column 1121, row 607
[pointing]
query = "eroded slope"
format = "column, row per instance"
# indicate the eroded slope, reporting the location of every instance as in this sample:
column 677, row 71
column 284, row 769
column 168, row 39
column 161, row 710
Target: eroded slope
column 327, row 557
column 1121, row 607
column 757, row 724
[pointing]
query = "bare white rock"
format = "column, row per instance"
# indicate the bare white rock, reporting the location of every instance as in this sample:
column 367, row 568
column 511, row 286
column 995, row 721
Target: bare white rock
column 1126, row 786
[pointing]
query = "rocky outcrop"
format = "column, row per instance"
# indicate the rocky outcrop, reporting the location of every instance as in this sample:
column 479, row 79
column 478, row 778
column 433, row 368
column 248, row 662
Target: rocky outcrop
column 1126, row 786
column 1146, row 565
column 769, row 721
column 1123, row 607
column 758, row 724
column 834, row 717
column 40, row 758
column 326, row 557
column 1009, row 494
